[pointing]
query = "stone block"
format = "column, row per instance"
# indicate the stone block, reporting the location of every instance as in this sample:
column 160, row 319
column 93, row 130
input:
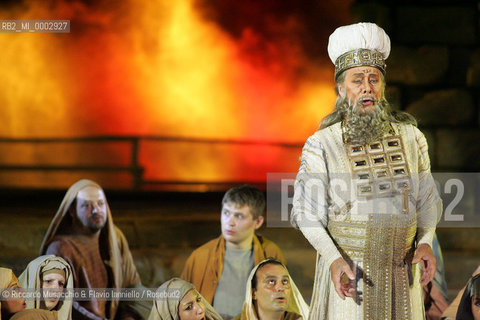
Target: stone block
column 459, row 239
column 16, row 259
column 445, row 107
column 151, row 267
column 394, row 97
column 129, row 230
column 478, row 109
column 473, row 76
column 411, row 94
column 23, row 234
column 473, row 72
column 459, row 65
column 458, row 149
column 459, row 267
column 175, row 234
column 425, row 65
column 372, row 12
column 437, row 24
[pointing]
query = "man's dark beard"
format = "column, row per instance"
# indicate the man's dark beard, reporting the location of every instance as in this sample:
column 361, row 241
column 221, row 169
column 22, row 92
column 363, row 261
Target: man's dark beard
column 93, row 227
column 364, row 128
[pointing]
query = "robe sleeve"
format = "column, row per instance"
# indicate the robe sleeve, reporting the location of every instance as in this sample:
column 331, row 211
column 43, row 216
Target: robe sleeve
column 310, row 200
column 131, row 277
column 429, row 203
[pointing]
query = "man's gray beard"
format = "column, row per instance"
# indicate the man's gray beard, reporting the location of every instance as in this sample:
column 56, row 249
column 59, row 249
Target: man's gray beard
column 364, row 128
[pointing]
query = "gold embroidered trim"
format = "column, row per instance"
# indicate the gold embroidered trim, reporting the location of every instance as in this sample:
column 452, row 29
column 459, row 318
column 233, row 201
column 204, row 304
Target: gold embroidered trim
column 384, row 244
column 386, row 262
column 359, row 57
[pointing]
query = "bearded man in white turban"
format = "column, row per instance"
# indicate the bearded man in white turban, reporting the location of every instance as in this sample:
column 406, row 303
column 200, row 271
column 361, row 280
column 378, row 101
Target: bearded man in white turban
column 364, row 195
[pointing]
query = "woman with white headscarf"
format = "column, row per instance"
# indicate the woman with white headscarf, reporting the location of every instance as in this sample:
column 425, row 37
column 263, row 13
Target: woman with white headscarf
column 179, row 300
column 49, row 272
column 14, row 309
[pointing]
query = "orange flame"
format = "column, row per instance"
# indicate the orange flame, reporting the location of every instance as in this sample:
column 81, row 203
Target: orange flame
column 159, row 68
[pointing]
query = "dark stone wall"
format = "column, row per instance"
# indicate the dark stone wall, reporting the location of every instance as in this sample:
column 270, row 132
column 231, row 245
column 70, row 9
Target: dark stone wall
column 433, row 72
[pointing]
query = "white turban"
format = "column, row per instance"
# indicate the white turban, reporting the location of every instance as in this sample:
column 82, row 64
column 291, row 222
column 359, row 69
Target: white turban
column 363, row 35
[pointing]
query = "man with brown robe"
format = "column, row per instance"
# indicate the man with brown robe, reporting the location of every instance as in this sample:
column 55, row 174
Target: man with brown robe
column 82, row 232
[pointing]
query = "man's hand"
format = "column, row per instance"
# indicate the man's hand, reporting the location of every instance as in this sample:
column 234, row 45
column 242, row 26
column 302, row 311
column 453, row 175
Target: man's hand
column 424, row 255
column 342, row 278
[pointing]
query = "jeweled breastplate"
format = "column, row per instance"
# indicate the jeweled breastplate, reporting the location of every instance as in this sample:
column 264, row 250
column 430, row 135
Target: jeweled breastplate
column 379, row 168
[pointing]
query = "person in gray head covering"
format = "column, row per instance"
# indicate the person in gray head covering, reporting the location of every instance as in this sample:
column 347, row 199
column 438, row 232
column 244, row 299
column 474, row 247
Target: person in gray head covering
column 49, row 272
column 14, row 308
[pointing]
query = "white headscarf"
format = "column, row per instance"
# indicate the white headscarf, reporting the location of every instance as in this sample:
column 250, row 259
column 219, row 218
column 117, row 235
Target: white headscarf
column 296, row 303
column 31, row 278
column 166, row 308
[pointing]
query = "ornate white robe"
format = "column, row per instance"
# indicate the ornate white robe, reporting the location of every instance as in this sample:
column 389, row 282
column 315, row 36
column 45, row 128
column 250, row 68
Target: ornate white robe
column 367, row 204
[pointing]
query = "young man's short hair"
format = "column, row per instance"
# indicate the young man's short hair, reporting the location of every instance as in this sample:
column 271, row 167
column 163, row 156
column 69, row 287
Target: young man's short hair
column 248, row 195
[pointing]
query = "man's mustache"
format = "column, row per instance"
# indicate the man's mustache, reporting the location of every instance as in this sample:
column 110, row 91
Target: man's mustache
column 367, row 97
